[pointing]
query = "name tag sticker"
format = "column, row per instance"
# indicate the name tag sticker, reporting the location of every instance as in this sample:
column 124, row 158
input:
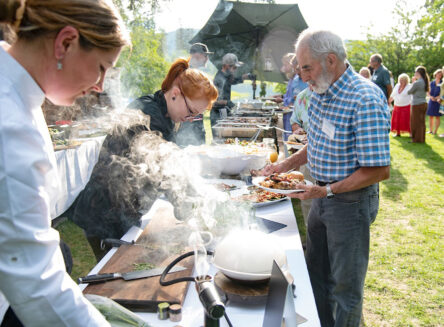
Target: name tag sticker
column 328, row 128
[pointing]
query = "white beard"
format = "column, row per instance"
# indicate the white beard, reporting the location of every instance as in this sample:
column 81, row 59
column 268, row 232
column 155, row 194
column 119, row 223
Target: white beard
column 323, row 83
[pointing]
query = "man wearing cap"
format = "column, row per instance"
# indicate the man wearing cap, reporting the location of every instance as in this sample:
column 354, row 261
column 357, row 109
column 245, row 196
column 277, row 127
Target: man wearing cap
column 193, row 133
column 223, row 81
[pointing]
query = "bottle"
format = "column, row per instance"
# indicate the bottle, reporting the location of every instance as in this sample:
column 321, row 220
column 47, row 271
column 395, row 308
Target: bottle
column 271, row 149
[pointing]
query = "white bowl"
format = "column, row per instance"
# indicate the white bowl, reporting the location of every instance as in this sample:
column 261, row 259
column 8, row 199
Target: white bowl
column 248, row 255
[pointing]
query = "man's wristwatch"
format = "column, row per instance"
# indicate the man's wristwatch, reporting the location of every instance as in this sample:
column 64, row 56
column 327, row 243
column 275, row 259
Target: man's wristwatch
column 330, row 193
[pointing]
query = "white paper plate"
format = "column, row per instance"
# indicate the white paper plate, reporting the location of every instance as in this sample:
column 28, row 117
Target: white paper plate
column 258, row 179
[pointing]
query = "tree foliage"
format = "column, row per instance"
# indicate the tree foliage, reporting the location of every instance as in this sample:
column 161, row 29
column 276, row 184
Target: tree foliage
column 143, row 68
column 409, row 44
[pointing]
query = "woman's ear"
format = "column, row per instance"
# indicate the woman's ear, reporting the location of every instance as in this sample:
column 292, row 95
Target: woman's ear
column 64, row 41
column 175, row 92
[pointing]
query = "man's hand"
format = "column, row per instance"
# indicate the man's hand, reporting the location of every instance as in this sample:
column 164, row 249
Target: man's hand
column 310, row 192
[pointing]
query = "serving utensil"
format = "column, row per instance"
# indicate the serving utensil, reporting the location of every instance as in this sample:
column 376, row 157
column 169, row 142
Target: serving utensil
column 266, row 128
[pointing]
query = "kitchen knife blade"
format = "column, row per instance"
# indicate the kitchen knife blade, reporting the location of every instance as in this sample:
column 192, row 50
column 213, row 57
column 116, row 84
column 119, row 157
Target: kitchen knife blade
column 129, row 275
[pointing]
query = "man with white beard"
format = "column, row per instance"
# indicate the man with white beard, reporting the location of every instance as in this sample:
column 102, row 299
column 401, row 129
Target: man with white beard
column 347, row 154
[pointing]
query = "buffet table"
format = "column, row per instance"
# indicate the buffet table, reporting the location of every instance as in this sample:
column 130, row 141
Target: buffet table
column 74, row 167
column 240, row 314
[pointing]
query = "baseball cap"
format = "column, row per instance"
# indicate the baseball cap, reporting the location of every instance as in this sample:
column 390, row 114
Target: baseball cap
column 199, row 48
column 231, row 59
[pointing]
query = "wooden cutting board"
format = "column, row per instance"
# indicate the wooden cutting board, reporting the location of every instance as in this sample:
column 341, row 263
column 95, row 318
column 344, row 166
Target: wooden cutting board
column 163, row 240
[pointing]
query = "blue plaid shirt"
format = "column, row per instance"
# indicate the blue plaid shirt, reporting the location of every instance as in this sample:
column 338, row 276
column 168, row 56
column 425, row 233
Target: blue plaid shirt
column 358, row 110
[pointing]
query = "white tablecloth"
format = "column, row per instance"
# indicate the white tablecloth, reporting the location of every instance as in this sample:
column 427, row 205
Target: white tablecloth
column 74, row 169
column 242, row 315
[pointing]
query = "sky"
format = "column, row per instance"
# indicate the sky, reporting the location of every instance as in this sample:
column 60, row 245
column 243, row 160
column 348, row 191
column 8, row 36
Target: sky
column 348, row 18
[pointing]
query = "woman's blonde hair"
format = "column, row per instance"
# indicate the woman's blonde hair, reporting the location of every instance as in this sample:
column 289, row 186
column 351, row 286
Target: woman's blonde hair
column 192, row 82
column 405, row 77
column 98, row 22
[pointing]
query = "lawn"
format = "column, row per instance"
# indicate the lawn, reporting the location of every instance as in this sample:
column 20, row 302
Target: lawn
column 404, row 285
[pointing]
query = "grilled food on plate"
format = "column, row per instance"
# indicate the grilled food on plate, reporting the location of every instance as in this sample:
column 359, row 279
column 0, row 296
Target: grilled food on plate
column 283, row 181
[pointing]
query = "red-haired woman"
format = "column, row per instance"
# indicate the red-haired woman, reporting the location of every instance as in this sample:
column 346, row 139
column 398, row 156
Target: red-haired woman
column 185, row 93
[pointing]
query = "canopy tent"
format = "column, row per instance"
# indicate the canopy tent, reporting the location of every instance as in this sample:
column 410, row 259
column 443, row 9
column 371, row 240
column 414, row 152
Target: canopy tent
column 258, row 33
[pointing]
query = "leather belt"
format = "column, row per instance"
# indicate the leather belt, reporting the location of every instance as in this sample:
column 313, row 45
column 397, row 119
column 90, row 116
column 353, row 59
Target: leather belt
column 320, row 183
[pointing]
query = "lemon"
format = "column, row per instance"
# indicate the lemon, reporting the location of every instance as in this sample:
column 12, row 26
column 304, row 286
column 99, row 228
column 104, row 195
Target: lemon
column 273, row 157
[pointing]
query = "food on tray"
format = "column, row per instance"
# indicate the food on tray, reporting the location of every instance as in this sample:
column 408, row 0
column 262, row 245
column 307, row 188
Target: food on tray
column 63, row 144
column 224, row 187
column 258, row 195
column 297, row 138
column 283, row 181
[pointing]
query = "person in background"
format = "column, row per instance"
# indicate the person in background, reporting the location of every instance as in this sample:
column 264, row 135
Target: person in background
column 62, row 51
column 402, row 101
column 299, row 116
column 297, row 86
column 185, row 93
column 381, row 75
column 434, row 102
column 392, row 80
column 365, row 72
column 419, row 90
column 441, row 96
column 347, row 154
column 299, row 126
column 223, row 81
column 288, row 70
column 193, row 132
column 370, row 68
column 199, row 56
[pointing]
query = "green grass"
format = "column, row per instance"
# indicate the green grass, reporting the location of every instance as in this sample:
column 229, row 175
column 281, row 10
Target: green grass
column 82, row 254
column 404, row 285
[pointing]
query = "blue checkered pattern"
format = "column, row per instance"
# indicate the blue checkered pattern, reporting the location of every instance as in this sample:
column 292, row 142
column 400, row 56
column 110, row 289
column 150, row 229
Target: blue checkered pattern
column 358, row 110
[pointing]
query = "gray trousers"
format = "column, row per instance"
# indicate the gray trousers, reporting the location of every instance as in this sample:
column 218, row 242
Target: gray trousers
column 337, row 253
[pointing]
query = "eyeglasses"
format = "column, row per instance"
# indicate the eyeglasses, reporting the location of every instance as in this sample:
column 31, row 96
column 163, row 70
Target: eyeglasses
column 191, row 113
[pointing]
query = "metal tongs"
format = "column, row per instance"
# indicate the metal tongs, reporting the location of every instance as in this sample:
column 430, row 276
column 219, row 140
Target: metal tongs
column 266, row 128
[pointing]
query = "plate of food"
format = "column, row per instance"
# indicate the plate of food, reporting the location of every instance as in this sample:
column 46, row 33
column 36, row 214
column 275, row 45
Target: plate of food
column 283, row 183
column 259, row 197
column 226, row 185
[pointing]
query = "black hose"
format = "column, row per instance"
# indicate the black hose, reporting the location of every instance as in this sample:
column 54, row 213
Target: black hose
column 162, row 280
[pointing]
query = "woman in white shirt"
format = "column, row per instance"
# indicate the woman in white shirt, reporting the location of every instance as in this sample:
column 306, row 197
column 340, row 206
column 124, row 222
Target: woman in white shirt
column 401, row 109
column 62, row 51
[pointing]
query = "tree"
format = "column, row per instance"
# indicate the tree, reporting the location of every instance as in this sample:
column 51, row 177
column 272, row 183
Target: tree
column 143, row 68
column 429, row 36
column 409, row 44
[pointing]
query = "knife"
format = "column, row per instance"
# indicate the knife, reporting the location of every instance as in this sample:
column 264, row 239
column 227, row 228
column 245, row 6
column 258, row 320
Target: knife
column 127, row 276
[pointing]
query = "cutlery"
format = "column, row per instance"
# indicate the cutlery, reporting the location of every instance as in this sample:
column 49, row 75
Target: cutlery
column 129, row 275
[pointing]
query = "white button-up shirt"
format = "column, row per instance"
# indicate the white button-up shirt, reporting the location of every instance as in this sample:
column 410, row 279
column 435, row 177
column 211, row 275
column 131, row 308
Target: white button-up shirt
column 32, row 272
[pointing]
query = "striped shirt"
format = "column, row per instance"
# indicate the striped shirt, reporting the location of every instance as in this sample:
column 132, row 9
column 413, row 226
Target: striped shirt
column 348, row 128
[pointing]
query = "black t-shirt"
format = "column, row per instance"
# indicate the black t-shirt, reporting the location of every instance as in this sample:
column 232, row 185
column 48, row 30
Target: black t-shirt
column 155, row 106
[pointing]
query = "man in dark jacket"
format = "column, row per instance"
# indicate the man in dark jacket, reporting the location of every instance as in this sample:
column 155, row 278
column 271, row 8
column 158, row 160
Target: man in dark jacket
column 223, row 80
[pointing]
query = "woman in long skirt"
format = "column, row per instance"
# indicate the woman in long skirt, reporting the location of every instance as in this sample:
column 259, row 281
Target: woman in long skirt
column 402, row 101
column 419, row 90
